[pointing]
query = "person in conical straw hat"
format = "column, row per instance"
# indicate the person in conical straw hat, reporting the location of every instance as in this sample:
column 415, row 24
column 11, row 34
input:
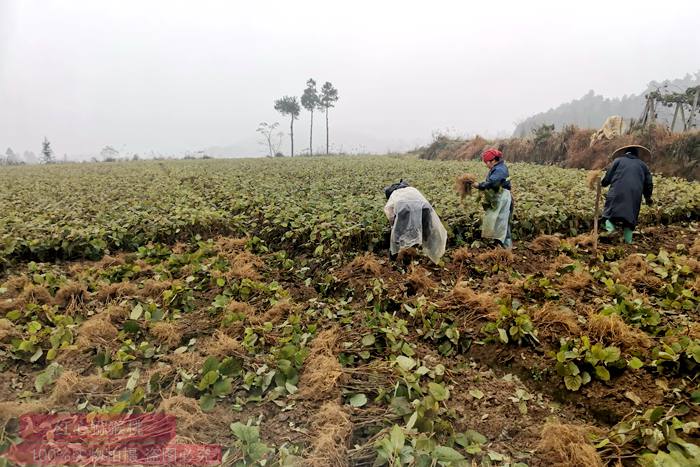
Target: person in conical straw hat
column 629, row 179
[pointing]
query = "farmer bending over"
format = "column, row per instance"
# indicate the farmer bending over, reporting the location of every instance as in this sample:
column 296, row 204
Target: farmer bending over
column 629, row 178
column 414, row 222
column 498, row 202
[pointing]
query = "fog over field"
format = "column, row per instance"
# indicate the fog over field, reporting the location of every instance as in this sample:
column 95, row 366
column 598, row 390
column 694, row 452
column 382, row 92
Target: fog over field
column 165, row 77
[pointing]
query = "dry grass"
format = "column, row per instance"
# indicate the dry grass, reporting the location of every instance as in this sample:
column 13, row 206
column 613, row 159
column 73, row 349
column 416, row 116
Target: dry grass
column 166, row 333
column 115, row 291
column 331, row 428
column 419, row 280
column 464, row 184
column 70, row 386
column 545, row 243
column 500, row 256
column 693, row 264
column 230, row 244
column 108, row 261
column 222, row 345
column 461, row 254
column 553, row 315
column 696, row 285
column 564, row 445
column 97, row 331
column 612, row 330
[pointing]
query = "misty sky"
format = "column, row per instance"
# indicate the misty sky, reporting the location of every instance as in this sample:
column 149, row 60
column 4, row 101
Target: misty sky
column 172, row 76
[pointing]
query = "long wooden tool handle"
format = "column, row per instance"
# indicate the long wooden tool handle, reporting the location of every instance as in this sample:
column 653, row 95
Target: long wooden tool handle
column 595, row 216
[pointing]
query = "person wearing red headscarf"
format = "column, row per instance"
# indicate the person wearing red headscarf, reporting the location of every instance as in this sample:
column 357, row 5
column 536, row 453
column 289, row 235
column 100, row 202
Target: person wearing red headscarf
column 498, row 203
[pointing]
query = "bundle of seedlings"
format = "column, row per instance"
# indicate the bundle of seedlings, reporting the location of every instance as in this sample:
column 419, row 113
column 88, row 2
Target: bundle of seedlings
column 464, row 184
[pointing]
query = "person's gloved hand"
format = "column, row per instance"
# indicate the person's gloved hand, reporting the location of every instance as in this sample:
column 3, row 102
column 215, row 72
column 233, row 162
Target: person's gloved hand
column 650, row 202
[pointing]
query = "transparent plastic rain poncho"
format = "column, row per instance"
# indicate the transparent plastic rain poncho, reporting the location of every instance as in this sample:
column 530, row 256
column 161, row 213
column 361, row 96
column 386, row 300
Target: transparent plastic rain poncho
column 497, row 218
column 414, row 222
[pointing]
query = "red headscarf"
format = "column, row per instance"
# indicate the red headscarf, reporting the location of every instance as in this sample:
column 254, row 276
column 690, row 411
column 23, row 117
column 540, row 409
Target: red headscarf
column 491, row 154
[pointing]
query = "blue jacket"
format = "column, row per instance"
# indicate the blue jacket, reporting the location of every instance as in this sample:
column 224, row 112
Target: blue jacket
column 629, row 179
column 497, row 177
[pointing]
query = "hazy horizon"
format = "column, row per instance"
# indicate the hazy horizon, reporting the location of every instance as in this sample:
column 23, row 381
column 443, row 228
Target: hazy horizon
column 172, row 77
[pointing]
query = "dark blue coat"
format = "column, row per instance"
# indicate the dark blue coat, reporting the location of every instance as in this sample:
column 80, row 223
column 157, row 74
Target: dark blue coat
column 497, row 177
column 629, row 178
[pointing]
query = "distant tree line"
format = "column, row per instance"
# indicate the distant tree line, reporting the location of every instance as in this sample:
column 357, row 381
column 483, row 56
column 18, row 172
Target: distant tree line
column 312, row 100
column 591, row 110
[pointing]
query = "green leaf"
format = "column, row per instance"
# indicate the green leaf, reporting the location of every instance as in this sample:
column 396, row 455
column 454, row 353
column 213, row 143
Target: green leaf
column 136, row 312
column 367, row 340
column 222, row 387
column 502, row 335
column 438, row 391
column 230, row 366
column 397, row 438
column 357, row 400
column 37, row 355
column 207, row 402
column 208, row 379
column 47, row 377
column 602, row 373
column 635, row 363
column 407, row 363
column 573, row 383
column 447, row 454
column 210, row 364
column 476, row 393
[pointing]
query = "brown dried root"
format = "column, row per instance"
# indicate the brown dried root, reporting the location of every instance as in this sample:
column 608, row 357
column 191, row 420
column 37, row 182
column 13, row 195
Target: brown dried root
column 14, row 286
column 419, row 281
column 553, row 315
column 462, row 295
column 13, row 409
column 97, row 331
column 222, row 345
column 189, row 361
column 116, row 290
column 245, row 265
column 496, row 256
column 332, row 429
column 565, row 445
column 613, row 330
column 7, row 329
column 577, row 280
column 70, row 386
column 186, row 410
column 461, row 254
column 464, row 184
column 322, row 370
column 593, row 179
column 35, row 294
column 366, row 263
column 695, row 249
column 71, row 296
column 275, row 314
column 584, row 241
column 545, row 243
column 154, row 289
column 166, row 333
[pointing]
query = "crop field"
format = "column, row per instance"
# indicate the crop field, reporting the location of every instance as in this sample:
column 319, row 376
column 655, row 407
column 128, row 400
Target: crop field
column 254, row 300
